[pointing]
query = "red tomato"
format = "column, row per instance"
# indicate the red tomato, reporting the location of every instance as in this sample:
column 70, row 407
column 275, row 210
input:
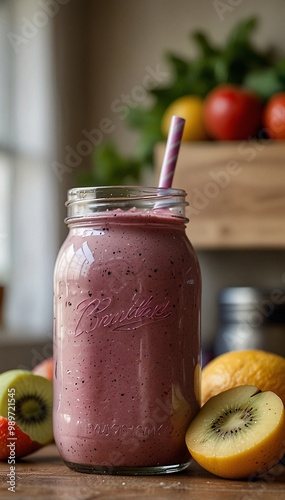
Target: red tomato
column 232, row 113
column 274, row 116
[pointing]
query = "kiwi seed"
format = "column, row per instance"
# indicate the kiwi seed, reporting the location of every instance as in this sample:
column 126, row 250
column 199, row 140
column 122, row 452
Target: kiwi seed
column 233, row 420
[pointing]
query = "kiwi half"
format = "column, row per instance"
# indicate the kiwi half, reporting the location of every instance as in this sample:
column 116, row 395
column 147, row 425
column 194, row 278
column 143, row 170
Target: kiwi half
column 238, row 433
column 27, row 399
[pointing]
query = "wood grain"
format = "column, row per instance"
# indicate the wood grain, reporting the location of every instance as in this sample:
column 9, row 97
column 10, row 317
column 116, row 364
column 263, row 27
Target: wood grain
column 236, row 193
column 44, row 476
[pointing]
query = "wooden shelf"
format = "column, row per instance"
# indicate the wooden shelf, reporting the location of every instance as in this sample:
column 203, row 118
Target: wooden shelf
column 236, row 193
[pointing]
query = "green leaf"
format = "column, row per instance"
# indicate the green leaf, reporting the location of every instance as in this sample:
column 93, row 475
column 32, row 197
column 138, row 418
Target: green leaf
column 280, row 69
column 164, row 96
column 138, row 117
column 147, row 141
column 205, row 47
column 144, row 117
column 111, row 168
column 264, row 82
column 179, row 65
column 241, row 33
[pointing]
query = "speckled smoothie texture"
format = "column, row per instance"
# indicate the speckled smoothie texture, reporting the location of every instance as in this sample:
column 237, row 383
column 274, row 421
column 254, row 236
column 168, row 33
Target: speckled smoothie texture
column 126, row 341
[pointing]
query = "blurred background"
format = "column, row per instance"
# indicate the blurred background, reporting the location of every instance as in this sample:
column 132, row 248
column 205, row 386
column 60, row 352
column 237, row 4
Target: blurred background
column 70, row 71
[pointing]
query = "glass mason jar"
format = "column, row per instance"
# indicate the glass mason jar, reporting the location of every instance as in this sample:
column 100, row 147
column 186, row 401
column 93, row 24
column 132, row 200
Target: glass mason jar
column 127, row 293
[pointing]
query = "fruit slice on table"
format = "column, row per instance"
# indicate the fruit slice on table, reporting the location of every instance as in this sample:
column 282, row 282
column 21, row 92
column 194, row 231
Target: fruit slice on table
column 14, row 441
column 28, row 398
column 238, row 433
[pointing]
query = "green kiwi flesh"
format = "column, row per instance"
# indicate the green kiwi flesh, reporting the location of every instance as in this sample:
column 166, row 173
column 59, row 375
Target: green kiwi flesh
column 27, row 399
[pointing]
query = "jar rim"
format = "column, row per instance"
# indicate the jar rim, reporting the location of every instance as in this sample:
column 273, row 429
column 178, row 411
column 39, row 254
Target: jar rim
column 119, row 192
column 93, row 201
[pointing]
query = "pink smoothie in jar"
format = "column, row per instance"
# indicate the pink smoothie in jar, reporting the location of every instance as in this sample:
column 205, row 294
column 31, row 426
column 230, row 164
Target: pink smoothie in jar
column 127, row 332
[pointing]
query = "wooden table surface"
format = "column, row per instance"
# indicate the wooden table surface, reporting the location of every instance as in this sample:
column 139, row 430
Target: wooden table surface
column 44, row 476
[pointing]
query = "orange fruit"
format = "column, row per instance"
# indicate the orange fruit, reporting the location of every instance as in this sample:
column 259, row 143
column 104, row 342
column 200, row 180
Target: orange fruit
column 189, row 107
column 262, row 369
column 239, row 433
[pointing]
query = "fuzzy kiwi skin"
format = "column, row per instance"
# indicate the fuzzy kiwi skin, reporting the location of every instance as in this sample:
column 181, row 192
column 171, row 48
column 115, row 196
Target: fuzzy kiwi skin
column 22, row 387
column 230, row 455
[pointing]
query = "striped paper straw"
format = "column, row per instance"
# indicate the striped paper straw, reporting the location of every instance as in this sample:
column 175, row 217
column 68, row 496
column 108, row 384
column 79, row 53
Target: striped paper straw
column 171, row 152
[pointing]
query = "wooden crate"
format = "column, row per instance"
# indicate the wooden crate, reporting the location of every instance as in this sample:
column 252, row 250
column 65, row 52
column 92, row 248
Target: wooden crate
column 236, row 193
